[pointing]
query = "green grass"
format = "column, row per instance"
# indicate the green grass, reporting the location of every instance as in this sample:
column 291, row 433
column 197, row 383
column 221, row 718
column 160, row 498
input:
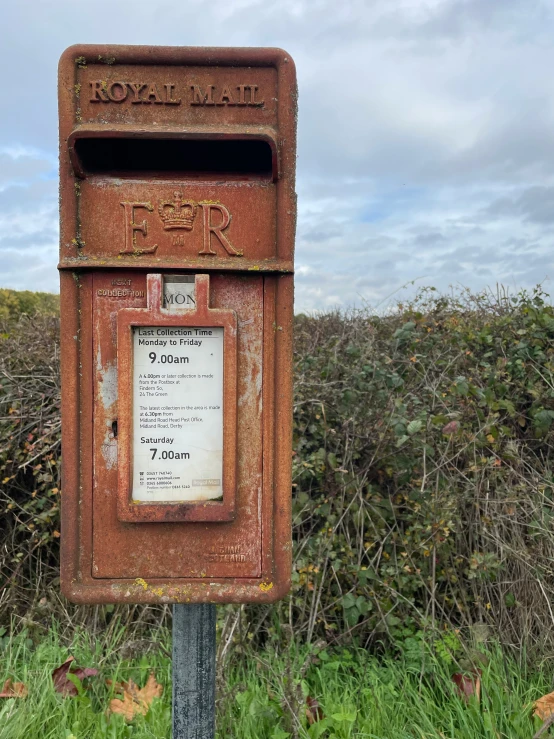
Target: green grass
column 45, row 714
column 360, row 695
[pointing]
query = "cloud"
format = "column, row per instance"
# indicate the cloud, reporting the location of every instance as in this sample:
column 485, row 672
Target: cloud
column 28, row 219
column 31, row 269
column 19, row 168
column 533, row 205
column 426, row 132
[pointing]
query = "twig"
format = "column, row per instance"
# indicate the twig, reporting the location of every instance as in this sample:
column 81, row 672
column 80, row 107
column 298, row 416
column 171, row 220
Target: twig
column 549, row 721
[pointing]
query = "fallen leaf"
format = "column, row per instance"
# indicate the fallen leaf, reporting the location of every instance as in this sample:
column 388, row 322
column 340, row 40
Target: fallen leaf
column 314, row 712
column 450, row 428
column 544, row 707
column 135, row 700
column 62, row 684
column 13, row 690
column 468, row 685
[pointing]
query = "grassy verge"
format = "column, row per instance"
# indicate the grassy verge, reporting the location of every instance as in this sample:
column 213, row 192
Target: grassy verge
column 263, row 695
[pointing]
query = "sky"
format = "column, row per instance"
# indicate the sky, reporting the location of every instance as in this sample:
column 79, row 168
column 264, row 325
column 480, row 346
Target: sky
column 425, row 140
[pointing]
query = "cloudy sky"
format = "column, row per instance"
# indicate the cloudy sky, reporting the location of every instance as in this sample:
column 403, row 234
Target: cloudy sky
column 426, row 133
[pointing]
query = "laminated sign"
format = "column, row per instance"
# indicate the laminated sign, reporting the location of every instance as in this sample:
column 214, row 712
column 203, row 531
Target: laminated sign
column 176, row 262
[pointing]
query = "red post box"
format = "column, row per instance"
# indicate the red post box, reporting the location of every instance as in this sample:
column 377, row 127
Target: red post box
column 176, row 260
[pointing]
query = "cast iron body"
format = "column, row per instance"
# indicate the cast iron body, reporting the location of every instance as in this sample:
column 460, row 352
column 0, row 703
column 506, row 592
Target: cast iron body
column 176, row 161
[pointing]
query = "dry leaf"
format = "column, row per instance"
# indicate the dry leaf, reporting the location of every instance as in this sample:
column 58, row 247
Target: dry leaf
column 314, row 712
column 13, row 690
column 450, row 428
column 62, row 684
column 135, row 700
column 544, row 707
column 468, row 685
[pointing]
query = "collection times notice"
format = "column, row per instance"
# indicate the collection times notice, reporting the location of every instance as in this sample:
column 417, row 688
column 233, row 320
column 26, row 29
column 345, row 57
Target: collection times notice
column 177, row 413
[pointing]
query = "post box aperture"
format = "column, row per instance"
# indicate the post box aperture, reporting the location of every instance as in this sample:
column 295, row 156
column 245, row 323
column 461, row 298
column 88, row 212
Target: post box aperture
column 176, row 262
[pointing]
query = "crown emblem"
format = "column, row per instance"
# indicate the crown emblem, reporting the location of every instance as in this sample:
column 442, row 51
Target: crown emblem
column 178, row 213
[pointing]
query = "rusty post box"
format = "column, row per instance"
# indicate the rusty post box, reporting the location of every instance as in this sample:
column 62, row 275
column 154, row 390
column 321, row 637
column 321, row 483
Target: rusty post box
column 176, row 260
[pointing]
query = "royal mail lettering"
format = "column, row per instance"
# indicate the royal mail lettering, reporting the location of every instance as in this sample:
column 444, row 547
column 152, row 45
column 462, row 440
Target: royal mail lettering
column 135, row 87
column 150, row 93
column 202, row 98
column 117, row 91
column 169, row 95
column 227, row 95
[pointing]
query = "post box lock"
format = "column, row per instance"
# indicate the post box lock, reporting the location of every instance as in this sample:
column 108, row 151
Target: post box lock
column 176, row 265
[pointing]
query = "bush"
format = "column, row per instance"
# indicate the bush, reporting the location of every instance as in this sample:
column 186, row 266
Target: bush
column 423, row 481
column 423, row 488
column 29, row 458
column 14, row 303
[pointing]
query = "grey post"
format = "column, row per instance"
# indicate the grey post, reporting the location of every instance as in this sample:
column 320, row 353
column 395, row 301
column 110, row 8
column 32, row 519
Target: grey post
column 194, row 671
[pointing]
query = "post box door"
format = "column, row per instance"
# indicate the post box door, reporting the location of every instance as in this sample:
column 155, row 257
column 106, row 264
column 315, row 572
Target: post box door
column 223, row 549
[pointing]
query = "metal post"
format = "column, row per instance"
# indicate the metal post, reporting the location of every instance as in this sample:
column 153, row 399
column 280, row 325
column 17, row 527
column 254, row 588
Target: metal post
column 194, row 671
